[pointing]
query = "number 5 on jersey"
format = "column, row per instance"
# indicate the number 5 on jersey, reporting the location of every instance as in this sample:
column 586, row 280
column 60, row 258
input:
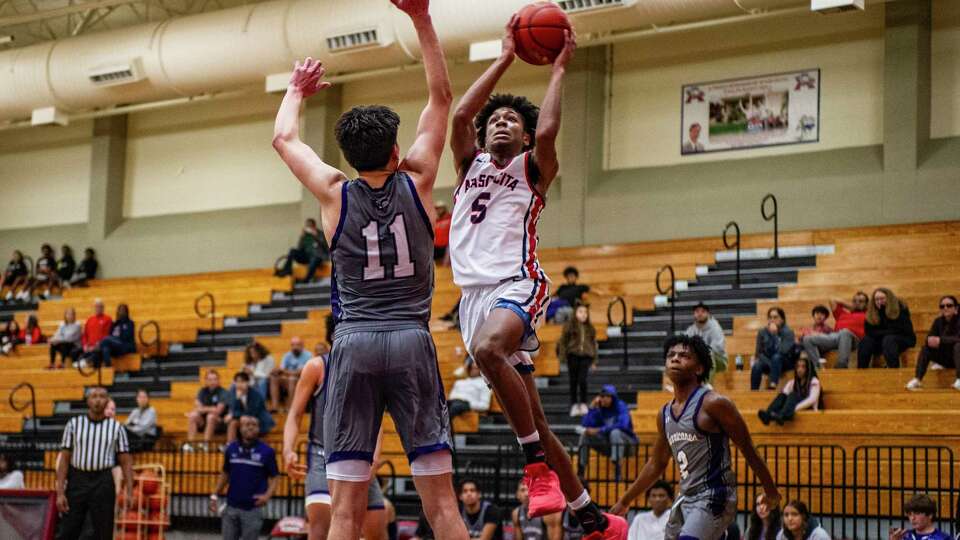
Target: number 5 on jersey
column 374, row 268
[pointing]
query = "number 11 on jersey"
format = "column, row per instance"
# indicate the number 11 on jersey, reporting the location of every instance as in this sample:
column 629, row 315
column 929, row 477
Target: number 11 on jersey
column 374, row 268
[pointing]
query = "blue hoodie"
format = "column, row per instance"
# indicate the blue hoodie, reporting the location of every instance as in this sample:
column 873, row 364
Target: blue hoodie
column 616, row 416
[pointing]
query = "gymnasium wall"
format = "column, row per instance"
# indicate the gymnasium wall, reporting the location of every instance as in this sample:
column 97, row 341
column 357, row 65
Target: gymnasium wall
column 204, row 190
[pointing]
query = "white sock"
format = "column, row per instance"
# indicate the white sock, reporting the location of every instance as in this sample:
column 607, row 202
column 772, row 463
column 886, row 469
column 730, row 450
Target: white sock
column 581, row 501
column 533, row 437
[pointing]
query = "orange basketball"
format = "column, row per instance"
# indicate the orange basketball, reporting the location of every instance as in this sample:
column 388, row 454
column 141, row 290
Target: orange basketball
column 133, row 520
column 149, row 482
column 539, row 33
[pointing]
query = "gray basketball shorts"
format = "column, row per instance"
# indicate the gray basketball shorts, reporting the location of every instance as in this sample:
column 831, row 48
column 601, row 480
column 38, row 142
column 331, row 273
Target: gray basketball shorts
column 382, row 366
column 317, row 491
column 702, row 516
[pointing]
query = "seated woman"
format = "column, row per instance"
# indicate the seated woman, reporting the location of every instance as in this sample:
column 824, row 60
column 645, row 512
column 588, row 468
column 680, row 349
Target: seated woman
column 889, row 330
column 66, row 266
column 31, row 334
column 15, row 276
column 45, row 275
column 66, row 340
column 87, row 269
column 120, row 341
column 775, row 343
column 803, row 392
column 798, row 524
column 258, row 363
column 10, row 337
column 763, row 523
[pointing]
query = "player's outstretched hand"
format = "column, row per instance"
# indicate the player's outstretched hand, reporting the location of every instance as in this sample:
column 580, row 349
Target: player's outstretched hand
column 508, row 45
column 619, row 509
column 569, row 45
column 294, row 469
column 897, row 534
column 772, row 500
column 307, row 77
column 413, row 8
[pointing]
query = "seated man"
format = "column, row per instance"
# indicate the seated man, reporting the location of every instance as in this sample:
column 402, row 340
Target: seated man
column 95, row 329
column 246, row 401
column 710, row 331
column 942, row 346
column 820, row 326
column 608, row 429
column 483, row 519
column 141, row 425
column 208, row 412
column 470, row 394
column 848, row 332
column 921, row 510
column 288, row 372
column 311, row 250
column 651, row 525
column 567, row 297
column 548, row 527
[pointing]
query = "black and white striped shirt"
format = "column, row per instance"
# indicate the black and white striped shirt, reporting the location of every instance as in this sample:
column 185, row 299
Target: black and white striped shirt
column 94, row 445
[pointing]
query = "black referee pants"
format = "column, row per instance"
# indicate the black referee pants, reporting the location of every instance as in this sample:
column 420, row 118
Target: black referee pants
column 93, row 493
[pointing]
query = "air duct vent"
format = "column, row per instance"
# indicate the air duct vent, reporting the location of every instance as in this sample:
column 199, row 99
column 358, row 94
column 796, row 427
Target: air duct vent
column 351, row 41
column 581, row 6
column 117, row 74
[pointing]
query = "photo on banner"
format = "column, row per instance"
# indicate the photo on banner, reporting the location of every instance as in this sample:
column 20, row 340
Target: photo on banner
column 736, row 114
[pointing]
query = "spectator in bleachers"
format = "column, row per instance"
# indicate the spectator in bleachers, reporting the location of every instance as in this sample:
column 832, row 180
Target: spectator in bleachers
column 710, row 331
column 774, row 347
column 208, row 412
column 889, row 330
column 10, row 337
column 95, row 329
column 10, row 478
column 469, row 394
column 764, row 522
column 802, row 392
column 820, row 326
column 311, row 250
column 246, row 401
column 141, row 425
column 798, row 524
column 849, row 330
column 120, row 341
column 15, row 276
column 607, row 428
column 921, row 510
column 942, row 346
column 288, row 372
column 483, row 519
column 441, row 233
column 87, row 269
column 66, row 340
column 578, row 348
column 259, row 364
column 45, row 274
column 66, row 266
column 31, row 333
column 651, row 525
column 548, row 527
column 567, row 297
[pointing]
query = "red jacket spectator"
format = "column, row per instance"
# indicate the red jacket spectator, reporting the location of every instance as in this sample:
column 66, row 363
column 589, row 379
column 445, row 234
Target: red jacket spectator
column 96, row 328
column 32, row 336
column 851, row 320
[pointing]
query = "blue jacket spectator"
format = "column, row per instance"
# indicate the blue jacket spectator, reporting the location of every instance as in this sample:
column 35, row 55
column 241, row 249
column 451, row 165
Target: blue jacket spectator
column 607, row 428
column 121, row 340
column 246, row 401
column 774, row 353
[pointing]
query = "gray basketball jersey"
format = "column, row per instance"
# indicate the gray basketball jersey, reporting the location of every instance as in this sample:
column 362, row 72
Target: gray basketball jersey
column 382, row 254
column 317, row 406
column 530, row 528
column 703, row 458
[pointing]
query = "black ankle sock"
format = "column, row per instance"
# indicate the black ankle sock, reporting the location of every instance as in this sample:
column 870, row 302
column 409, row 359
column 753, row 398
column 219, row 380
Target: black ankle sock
column 534, row 452
column 591, row 518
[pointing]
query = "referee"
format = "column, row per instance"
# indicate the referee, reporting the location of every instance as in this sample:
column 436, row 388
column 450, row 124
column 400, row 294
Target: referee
column 90, row 447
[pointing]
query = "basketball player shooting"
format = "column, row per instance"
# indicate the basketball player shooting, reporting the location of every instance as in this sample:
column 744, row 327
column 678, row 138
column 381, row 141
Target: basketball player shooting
column 696, row 428
column 507, row 158
column 380, row 231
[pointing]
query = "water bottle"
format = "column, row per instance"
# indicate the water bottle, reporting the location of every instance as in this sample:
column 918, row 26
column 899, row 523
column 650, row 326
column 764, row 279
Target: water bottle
column 739, row 361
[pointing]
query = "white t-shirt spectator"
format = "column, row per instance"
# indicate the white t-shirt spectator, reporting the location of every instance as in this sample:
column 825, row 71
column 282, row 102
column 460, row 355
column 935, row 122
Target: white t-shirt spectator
column 647, row 526
column 13, row 480
column 473, row 390
column 262, row 369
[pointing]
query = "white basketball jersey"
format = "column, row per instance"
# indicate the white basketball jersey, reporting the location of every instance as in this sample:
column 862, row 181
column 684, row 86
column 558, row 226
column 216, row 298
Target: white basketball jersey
column 493, row 234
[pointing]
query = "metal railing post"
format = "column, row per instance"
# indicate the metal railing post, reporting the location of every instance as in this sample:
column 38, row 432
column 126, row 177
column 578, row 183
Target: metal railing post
column 156, row 341
column 32, row 404
column 773, row 216
column 728, row 245
column 212, row 314
column 623, row 326
column 672, row 295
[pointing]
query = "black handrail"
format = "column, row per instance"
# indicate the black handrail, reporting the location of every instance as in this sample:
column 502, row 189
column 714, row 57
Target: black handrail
column 32, row 403
column 156, row 342
column 672, row 296
column 96, row 369
column 622, row 324
column 776, row 222
column 212, row 314
column 728, row 245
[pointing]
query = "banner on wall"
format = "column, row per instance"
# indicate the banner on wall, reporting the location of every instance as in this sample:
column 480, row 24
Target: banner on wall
column 737, row 114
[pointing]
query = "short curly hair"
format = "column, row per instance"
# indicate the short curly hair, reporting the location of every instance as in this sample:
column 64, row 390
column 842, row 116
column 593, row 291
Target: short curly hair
column 528, row 112
column 697, row 346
